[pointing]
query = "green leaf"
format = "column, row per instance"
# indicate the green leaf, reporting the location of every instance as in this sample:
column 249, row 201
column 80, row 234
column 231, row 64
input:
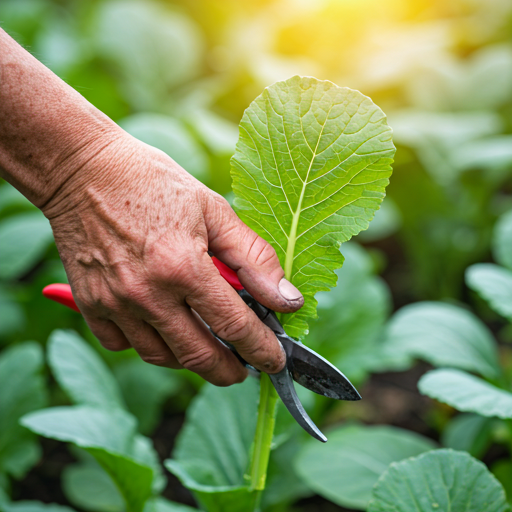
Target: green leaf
column 22, row 390
column 443, row 335
column 24, row 239
column 81, row 372
column 310, row 169
column 89, row 487
column 352, row 315
column 494, row 284
column 160, row 504
column 438, row 480
column 468, row 432
column 12, row 317
column 502, row 240
column 345, row 469
column 466, row 393
column 502, row 470
column 107, row 435
column 212, row 449
column 155, row 48
column 34, row 506
column 145, row 387
column 170, row 136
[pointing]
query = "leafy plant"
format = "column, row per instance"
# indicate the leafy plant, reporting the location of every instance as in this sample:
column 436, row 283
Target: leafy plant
column 438, row 480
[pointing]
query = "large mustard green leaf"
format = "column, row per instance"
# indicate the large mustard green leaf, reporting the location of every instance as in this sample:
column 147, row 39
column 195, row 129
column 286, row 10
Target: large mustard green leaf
column 310, row 169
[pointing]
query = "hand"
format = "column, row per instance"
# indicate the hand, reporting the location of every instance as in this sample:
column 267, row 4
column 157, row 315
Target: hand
column 133, row 230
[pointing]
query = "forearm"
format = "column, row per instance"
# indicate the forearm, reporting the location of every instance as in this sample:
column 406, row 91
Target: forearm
column 48, row 131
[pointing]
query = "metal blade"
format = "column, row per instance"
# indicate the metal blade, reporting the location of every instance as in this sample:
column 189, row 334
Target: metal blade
column 283, row 383
column 315, row 373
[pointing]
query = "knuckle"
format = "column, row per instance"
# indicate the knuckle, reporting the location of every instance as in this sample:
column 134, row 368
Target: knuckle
column 261, row 252
column 202, row 360
column 236, row 327
column 113, row 345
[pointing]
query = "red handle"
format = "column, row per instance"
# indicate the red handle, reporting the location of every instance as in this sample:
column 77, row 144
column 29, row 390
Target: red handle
column 61, row 293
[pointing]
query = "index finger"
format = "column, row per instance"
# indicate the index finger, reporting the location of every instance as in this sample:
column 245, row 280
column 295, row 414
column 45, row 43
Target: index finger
column 231, row 319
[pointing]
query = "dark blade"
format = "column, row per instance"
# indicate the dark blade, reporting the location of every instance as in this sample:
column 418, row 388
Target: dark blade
column 315, row 373
column 283, row 383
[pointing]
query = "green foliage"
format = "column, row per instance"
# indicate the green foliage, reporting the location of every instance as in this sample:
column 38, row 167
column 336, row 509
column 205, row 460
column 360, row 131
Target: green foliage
column 468, row 432
column 467, row 393
column 81, row 372
column 145, row 388
column 345, row 469
column 438, row 480
column 89, row 488
column 22, row 390
column 502, row 246
column 24, row 239
column 212, row 450
column 310, row 169
column 494, row 284
column 110, row 437
column 443, row 335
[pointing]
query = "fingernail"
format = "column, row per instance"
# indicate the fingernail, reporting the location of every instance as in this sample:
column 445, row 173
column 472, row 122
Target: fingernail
column 288, row 291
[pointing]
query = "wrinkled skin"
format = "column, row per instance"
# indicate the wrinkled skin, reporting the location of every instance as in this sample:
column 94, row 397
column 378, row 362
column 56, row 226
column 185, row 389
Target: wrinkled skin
column 134, row 229
column 134, row 239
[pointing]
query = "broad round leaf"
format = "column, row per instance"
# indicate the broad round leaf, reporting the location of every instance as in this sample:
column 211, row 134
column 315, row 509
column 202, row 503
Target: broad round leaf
column 502, row 240
column 170, row 136
column 34, row 506
column 466, row 393
column 24, row 239
column 309, row 171
column 212, row 450
column 81, row 372
column 443, row 335
column 494, row 284
column 109, row 436
column 443, row 480
column 345, row 469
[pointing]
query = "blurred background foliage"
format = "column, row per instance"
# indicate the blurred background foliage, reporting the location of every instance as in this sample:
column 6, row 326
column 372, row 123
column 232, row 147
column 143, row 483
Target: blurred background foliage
column 178, row 75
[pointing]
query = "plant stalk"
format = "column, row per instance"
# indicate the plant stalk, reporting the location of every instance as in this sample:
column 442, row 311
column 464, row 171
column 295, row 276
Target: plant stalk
column 257, row 473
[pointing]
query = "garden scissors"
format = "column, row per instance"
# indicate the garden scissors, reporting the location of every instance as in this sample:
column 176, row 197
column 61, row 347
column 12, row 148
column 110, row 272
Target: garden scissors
column 303, row 365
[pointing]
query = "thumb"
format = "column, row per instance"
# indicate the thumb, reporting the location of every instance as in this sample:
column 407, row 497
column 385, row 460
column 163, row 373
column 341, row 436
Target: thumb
column 253, row 258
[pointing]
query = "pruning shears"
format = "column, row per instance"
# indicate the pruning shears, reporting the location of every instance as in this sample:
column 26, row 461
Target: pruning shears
column 303, row 365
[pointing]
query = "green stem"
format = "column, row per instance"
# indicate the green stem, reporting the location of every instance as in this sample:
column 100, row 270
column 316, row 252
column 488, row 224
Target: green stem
column 263, row 436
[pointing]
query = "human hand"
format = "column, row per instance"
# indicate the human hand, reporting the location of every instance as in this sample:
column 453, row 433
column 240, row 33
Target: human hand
column 133, row 230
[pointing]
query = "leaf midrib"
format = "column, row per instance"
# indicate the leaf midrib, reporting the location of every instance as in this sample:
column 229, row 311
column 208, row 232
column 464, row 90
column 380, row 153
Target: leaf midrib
column 292, row 237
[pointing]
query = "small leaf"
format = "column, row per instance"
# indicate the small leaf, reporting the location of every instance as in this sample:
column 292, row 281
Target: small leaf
column 107, row 435
column 81, row 372
column 310, row 169
column 345, row 469
column 145, row 387
column 443, row 335
column 502, row 240
column 494, row 284
column 468, row 432
column 22, row 390
column 466, row 393
column 438, row 480
column 170, row 136
column 24, row 238
column 212, row 450
column 89, row 487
